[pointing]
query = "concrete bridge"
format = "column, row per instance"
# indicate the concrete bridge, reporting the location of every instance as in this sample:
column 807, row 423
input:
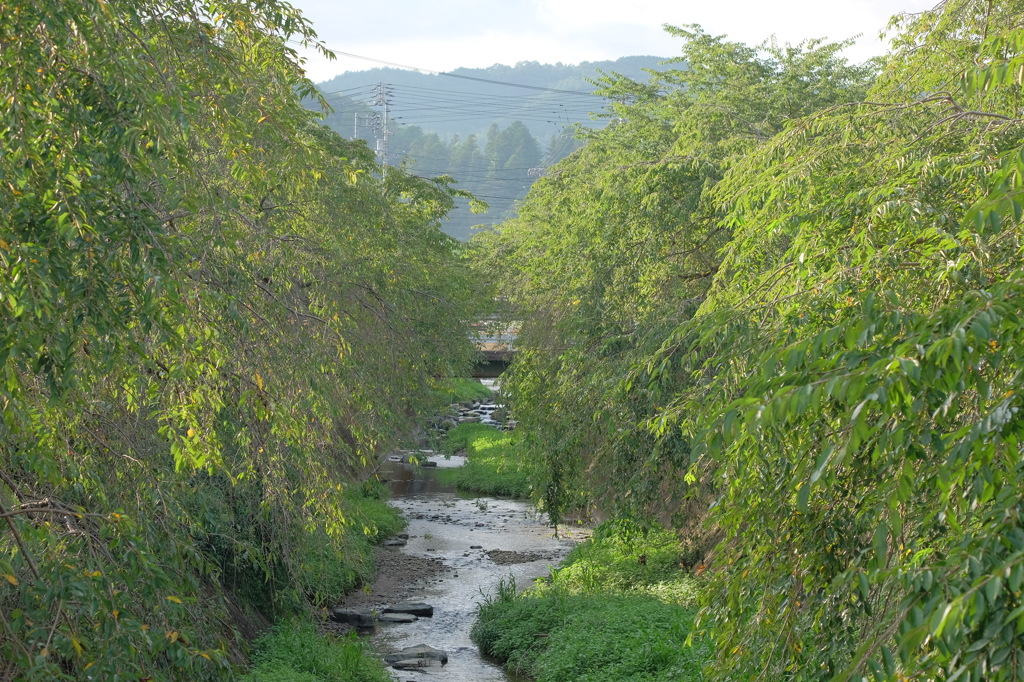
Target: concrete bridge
column 497, row 347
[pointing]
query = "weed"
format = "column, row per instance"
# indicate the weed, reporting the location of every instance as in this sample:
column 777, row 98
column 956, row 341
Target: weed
column 506, row 592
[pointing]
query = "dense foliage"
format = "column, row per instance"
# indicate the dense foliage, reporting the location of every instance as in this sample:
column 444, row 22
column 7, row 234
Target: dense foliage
column 214, row 312
column 795, row 303
column 620, row 243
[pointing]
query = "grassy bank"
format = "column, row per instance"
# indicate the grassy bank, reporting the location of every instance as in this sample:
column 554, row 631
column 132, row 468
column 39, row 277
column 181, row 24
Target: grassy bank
column 494, row 465
column 295, row 652
column 327, row 572
column 619, row 608
column 459, row 390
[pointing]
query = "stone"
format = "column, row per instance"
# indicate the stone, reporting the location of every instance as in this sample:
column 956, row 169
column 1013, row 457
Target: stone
column 416, row 609
column 397, row 618
column 394, row 542
column 412, row 664
column 421, row 653
column 360, row 619
column 476, row 546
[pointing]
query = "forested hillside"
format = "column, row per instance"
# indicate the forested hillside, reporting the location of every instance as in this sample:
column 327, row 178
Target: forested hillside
column 467, row 101
column 777, row 307
column 493, row 130
column 215, row 312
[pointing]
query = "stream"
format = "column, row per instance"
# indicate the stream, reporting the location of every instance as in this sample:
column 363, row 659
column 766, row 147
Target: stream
column 481, row 540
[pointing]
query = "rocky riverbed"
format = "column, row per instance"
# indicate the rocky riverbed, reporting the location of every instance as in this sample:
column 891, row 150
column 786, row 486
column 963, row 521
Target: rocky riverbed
column 489, row 412
column 456, row 549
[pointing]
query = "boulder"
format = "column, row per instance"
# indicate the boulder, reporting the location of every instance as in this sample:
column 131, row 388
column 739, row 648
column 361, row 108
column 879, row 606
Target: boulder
column 422, row 654
column 397, row 618
column 359, row 619
column 412, row 664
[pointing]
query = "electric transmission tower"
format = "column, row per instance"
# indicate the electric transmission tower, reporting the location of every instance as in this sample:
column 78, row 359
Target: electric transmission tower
column 382, row 98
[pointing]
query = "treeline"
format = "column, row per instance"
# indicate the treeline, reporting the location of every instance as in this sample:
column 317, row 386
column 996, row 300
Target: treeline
column 213, row 314
column 778, row 306
column 498, row 169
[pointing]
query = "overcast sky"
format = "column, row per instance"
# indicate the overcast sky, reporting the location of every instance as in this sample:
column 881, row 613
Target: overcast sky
column 442, row 35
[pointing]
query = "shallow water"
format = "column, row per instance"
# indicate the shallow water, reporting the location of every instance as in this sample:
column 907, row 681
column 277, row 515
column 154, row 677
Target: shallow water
column 447, row 525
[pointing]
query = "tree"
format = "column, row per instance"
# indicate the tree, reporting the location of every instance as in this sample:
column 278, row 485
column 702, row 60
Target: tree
column 840, row 384
column 214, row 313
column 619, row 243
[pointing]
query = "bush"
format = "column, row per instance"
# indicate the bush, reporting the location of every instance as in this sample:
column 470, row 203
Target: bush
column 553, row 636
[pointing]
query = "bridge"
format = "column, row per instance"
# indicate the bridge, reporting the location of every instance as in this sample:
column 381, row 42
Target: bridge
column 497, row 347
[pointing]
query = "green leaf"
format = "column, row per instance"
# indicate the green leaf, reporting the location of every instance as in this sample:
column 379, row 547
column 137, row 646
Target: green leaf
column 881, row 543
column 802, row 497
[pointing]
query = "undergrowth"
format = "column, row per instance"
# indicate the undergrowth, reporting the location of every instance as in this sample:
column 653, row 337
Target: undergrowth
column 295, row 652
column 328, row 571
column 494, row 465
column 619, row 608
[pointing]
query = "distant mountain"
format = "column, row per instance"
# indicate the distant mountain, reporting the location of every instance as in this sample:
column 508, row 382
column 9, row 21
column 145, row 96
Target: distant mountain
column 494, row 130
column 467, row 101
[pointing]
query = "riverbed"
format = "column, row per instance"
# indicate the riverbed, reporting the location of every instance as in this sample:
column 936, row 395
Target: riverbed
column 467, row 544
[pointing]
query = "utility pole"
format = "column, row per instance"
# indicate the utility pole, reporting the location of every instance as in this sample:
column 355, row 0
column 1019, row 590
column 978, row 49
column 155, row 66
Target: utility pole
column 382, row 98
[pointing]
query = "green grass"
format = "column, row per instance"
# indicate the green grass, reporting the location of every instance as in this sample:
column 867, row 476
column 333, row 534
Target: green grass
column 295, row 652
column 629, row 556
column 619, row 608
column 494, row 465
column 460, row 390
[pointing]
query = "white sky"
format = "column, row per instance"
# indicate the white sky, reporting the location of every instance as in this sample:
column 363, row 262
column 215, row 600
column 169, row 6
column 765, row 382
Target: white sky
column 442, row 35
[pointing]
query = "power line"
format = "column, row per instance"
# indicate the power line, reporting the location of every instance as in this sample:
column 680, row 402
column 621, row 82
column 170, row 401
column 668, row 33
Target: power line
column 449, row 74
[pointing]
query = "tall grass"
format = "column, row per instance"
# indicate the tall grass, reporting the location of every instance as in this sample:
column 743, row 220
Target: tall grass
column 295, row 652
